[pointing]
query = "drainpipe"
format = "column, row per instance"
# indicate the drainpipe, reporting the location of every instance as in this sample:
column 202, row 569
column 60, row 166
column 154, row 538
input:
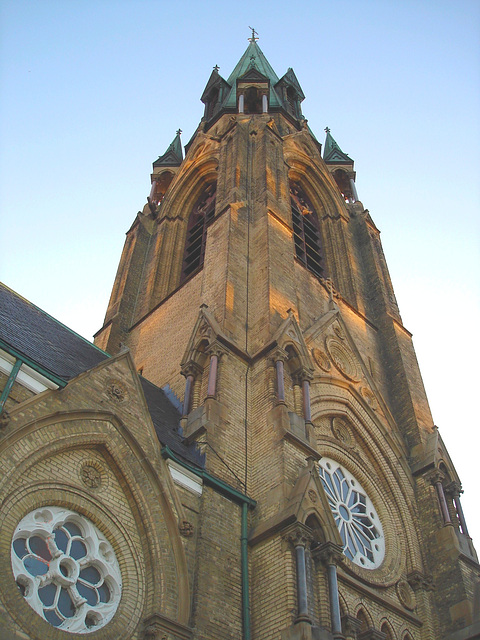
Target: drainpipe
column 246, row 503
column 11, row 379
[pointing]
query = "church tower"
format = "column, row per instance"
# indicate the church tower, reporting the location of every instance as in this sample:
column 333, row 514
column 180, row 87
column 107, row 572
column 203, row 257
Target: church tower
column 254, row 288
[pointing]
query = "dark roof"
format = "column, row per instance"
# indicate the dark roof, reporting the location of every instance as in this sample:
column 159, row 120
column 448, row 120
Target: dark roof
column 46, row 341
column 50, row 346
column 166, row 420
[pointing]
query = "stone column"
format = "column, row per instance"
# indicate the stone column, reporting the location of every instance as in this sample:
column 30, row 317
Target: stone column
column 189, row 371
column 330, row 554
column 215, row 352
column 354, row 189
column 304, row 376
column 299, row 538
column 454, row 490
column 437, row 479
column 279, row 358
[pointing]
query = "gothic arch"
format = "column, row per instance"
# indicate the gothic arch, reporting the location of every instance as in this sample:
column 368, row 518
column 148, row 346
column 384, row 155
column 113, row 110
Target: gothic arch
column 363, row 615
column 393, row 507
column 387, row 629
column 84, row 436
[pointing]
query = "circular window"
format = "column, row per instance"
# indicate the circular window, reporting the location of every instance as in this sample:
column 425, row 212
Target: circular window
column 66, row 570
column 354, row 514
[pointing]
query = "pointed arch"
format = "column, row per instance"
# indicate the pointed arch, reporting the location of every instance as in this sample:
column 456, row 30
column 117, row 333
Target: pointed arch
column 201, row 215
column 306, row 231
column 386, row 628
column 364, row 619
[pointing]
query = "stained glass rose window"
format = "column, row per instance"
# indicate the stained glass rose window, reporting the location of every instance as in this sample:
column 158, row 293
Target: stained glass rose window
column 66, row 570
column 354, row 514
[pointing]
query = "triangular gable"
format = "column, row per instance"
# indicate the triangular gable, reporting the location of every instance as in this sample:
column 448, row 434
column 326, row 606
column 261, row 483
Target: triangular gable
column 332, row 332
column 332, row 153
column 207, row 330
column 308, row 497
column 291, row 79
column 252, row 74
column 289, row 333
column 173, row 156
column 215, row 80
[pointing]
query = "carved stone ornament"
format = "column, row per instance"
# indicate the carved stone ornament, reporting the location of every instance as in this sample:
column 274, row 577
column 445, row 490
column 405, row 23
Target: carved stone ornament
column 91, row 475
column 369, row 397
column 341, row 431
column 312, row 495
column 4, row 419
column 321, row 359
column 205, row 330
column 337, row 329
column 116, row 390
column 405, row 594
column 343, row 359
column 155, row 632
column 186, row 529
column 298, row 535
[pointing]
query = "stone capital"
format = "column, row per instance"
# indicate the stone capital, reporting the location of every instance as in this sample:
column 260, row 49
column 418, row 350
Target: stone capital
column 298, row 535
column 435, row 476
column 279, row 354
column 303, row 374
column 216, row 349
column 453, row 489
column 191, row 368
column 329, row 553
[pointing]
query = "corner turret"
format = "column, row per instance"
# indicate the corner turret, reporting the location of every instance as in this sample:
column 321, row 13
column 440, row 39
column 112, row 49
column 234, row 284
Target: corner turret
column 340, row 166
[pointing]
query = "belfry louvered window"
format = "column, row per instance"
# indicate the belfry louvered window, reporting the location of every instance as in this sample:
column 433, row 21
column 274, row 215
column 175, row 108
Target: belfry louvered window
column 306, row 233
column 202, row 214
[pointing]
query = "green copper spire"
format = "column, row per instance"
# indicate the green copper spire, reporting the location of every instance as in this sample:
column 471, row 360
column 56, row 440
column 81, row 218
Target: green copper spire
column 253, row 60
column 173, row 156
column 252, row 70
column 333, row 153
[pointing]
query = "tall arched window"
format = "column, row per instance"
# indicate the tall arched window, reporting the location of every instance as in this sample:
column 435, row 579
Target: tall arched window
column 306, row 233
column 202, row 214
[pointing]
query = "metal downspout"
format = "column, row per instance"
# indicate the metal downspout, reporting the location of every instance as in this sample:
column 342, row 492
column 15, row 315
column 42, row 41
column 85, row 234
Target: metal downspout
column 246, row 502
column 9, row 384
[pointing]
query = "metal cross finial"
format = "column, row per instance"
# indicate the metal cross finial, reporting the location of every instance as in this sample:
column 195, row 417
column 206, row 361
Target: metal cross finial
column 254, row 35
column 216, row 68
column 327, row 129
column 179, row 132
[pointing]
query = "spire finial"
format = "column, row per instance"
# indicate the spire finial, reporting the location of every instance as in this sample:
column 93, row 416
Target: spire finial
column 179, row 131
column 327, row 129
column 216, row 68
column 254, row 35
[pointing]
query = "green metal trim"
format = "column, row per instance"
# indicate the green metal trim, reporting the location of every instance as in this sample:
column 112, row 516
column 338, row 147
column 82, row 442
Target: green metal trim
column 8, row 386
column 33, row 365
column 246, row 503
column 219, row 485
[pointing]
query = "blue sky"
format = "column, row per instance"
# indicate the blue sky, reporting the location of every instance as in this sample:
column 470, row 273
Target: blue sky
column 93, row 92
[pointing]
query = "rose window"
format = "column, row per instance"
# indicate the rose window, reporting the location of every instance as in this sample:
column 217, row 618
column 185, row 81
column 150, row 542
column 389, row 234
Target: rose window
column 354, row 514
column 66, row 570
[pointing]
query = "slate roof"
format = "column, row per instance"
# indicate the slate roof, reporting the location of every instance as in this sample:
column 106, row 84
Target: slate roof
column 30, row 332
column 41, row 338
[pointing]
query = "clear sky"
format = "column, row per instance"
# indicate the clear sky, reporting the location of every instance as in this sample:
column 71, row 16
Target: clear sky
column 93, row 92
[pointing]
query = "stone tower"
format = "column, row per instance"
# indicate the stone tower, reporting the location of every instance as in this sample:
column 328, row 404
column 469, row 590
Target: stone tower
column 254, row 284
column 247, row 452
